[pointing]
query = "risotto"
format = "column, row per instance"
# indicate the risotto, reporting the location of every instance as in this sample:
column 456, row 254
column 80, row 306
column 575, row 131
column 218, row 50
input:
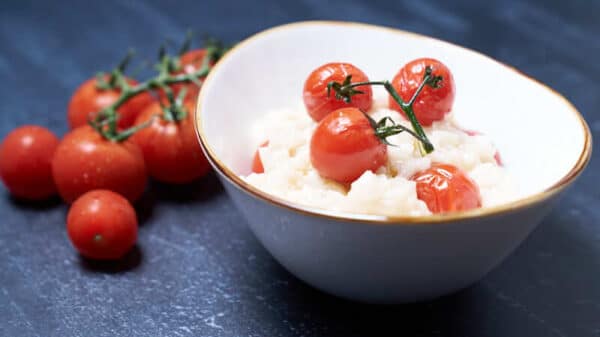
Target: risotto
column 288, row 172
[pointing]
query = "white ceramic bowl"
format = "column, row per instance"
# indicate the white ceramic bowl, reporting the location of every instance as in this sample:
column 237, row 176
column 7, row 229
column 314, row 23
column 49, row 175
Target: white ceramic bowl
column 543, row 139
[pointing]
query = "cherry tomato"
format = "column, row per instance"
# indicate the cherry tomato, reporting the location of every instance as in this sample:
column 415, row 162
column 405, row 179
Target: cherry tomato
column 102, row 225
column 344, row 146
column 257, row 165
column 319, row 104
column 171, row 149
column 432, row 104
column 88, row 99
column 86, row 161
column 25, row 162
column 189, row 62
column 497, row 156
column 445, row 188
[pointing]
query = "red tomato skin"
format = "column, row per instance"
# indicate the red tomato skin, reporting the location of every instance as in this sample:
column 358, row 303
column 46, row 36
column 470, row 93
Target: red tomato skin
column 432, row 104
column 88, row 100
column 257, row 165
column 189, row 62
column 344, row 146
column 446, row 188
column 25, row 162
column 85, row 161
column 171, row 149
column 102, row 225
column 319, row 105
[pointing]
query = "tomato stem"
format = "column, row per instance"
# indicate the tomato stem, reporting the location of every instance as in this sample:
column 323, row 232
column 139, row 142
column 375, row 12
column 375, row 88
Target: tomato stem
column 106, row 120
column 345, row 91
column 175, row 111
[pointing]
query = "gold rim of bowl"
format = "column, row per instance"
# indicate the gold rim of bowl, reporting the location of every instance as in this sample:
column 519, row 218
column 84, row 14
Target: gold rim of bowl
column 502, row 209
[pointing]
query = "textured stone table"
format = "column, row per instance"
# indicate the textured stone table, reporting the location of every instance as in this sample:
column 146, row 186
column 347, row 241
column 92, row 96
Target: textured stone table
column 198, row 270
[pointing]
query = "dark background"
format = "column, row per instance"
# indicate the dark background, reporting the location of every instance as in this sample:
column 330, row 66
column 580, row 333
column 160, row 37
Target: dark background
column 198, row 271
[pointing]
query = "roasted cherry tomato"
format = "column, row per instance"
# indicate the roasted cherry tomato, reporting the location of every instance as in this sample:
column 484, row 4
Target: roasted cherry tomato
column 102, row 225
column 344, row 146
column 445, row 188
column 88, row 99
column 171, row 149
column 433, row 103
column 25, row 162
column 86, row 161
column 257, row 165
column 319, row 104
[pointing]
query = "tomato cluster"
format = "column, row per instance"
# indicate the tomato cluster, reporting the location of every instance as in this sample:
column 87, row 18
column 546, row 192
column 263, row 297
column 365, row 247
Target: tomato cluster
column 347, row 142
column 102, row 177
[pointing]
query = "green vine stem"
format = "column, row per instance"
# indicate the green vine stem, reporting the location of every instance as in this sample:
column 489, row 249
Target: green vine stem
column 345, row 90
column 105, row 121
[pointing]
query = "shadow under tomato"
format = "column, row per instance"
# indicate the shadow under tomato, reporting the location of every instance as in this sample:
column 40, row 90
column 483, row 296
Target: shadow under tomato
column 38, row 205
column 145, row 207
column 128, row 262
column 199, row 190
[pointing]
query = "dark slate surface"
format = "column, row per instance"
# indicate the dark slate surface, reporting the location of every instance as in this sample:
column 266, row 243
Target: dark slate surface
column 198, row 270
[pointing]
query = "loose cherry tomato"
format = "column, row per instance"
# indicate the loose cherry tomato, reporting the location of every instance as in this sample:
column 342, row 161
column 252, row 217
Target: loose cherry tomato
column 88, row 99
column 497, row 156
column 257, row 165
column 171, row 149
column 25, row 162
column 86, row 161
column 319, row 104
column 102, row 225
column 445, row 188
column 433, row 103
column 344, row 146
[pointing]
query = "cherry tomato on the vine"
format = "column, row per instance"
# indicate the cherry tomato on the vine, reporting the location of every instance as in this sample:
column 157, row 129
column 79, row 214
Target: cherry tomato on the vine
column 86, row 161
column 171, row 149
column 319, row 104
column 26, row 162
column 102, row 225
column 432, row 104
column 88, row 100
column 446, row 188
column 344, row 146
column 189, row 63
column 257, row 165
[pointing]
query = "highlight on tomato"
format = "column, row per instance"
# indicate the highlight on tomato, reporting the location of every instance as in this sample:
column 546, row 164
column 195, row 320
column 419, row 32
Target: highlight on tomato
column 445, row 188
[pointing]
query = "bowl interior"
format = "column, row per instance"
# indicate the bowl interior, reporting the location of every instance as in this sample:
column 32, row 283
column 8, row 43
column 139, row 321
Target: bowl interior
column 540, row 135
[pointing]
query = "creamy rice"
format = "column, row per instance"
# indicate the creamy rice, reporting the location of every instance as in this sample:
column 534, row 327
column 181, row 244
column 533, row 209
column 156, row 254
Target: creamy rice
column 290, row 175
